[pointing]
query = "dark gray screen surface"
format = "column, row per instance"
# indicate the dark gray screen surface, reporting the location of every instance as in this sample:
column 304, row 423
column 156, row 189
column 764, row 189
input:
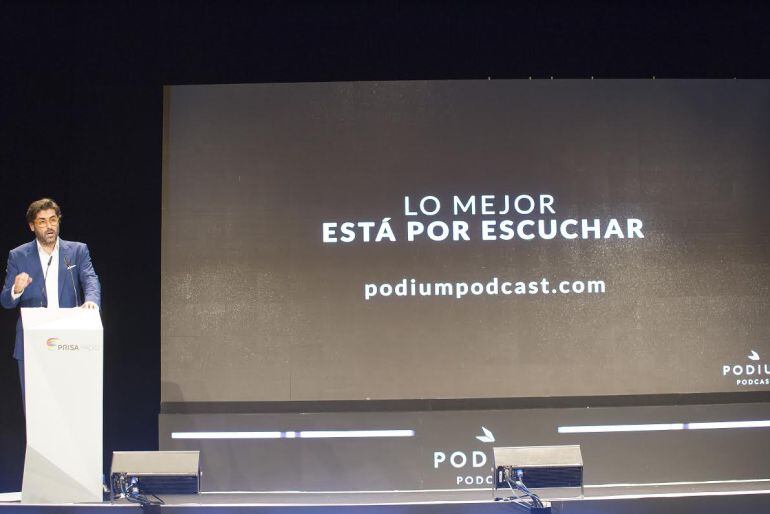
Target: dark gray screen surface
column 257, row 304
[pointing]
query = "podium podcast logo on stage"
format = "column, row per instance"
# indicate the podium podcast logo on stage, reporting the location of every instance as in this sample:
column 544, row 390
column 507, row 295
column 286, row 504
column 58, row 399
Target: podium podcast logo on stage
column 467, row 463
column 751, row 373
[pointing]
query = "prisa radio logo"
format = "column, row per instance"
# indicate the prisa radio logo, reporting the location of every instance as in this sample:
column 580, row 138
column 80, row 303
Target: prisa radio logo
column 752, row 373
column 54, row 343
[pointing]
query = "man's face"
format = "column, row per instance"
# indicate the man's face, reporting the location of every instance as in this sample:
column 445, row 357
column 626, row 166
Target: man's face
column 46, row 227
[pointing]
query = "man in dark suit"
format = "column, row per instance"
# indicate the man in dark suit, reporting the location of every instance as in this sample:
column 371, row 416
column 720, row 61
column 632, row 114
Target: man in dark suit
column 47, row 272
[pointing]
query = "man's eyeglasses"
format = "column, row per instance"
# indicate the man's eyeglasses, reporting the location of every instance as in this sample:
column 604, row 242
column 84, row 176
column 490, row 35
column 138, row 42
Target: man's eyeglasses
column 52, row 221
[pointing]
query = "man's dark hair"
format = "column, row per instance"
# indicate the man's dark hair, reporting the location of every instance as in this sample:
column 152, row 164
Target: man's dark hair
column 41, row 205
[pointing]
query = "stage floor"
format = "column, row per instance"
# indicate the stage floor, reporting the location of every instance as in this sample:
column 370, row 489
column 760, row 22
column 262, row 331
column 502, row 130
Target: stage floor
column 745, row 496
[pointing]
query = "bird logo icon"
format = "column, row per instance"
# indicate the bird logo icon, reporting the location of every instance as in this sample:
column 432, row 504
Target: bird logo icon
column 486, row 437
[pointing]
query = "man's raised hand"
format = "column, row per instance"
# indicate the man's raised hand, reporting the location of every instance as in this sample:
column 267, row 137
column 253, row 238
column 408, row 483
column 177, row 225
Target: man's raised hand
column 21, row 283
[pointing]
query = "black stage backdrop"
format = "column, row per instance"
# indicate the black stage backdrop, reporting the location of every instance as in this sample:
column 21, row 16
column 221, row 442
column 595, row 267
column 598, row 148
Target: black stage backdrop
column 81, row 118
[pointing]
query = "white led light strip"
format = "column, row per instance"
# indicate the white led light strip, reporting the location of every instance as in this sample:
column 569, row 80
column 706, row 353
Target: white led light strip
column 294, row 434
column 657, row 427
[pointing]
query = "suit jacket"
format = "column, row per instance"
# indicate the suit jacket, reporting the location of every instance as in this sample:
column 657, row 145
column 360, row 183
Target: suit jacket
column 26, row 258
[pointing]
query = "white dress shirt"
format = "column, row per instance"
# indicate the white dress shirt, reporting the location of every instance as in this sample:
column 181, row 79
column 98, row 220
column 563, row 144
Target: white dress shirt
column 52, row 279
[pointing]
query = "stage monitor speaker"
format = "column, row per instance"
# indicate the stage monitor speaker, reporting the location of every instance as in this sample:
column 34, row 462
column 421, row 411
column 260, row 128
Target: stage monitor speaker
column 154, row 473
column 548, row 471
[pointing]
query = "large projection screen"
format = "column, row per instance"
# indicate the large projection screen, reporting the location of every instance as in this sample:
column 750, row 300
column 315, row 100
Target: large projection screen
column 543, row 238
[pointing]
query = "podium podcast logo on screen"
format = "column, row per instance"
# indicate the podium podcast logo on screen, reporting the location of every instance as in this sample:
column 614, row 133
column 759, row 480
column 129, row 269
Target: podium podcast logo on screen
column 751, row 373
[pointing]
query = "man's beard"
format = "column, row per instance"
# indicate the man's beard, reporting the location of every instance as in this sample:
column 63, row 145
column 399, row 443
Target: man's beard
column 42, row 239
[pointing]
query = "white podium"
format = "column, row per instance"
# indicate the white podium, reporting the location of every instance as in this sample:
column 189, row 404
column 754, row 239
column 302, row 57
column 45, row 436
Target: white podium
column 63, row 367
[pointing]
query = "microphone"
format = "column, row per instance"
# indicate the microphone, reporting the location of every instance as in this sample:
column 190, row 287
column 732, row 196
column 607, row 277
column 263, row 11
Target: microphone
column 45, row 278
column 72, row 280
